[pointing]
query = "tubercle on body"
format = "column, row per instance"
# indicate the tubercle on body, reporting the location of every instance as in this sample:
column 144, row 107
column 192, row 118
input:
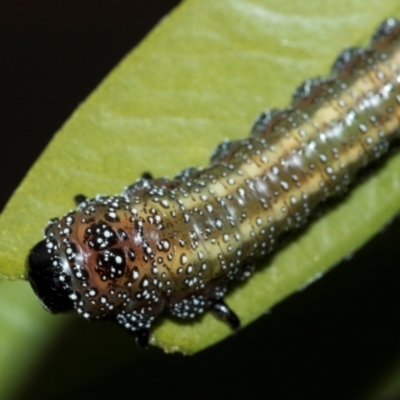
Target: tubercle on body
column 177, row 244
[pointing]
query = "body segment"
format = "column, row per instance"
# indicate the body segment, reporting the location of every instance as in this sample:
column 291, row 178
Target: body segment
column 177, row 244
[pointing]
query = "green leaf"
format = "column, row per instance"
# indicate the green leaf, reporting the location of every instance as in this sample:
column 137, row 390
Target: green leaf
column 202, row 76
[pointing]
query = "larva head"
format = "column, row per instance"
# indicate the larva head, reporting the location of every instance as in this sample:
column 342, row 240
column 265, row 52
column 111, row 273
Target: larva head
column 44, row 276
column 91, row 260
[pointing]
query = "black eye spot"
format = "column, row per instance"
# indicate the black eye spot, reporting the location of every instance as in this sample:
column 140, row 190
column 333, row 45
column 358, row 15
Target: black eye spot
column 100, row 236
column 49, row 284
column 111, row 264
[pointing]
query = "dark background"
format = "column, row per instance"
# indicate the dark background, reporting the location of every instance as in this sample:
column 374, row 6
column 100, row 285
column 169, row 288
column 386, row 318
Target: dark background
column 330, row 341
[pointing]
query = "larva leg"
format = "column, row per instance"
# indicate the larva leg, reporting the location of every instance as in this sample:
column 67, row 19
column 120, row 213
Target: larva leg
column 79, row 199
column 147, row 176
column 142, row 337
column 221, row 310
column 138, row 323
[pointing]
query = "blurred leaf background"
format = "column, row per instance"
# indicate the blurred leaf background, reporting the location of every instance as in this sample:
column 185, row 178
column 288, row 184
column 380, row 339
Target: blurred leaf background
column 343, row 329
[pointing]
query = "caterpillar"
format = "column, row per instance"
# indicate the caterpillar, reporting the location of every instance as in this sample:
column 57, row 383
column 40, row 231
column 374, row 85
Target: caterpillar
column 178, row 244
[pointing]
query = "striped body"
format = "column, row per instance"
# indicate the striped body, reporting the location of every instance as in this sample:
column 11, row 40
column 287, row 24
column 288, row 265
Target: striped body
column 177, row 244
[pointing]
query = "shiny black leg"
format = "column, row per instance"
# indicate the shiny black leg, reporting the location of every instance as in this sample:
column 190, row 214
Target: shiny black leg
column 147, row 175
column 142, row 337
column 221, row 310
column 80, row 198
